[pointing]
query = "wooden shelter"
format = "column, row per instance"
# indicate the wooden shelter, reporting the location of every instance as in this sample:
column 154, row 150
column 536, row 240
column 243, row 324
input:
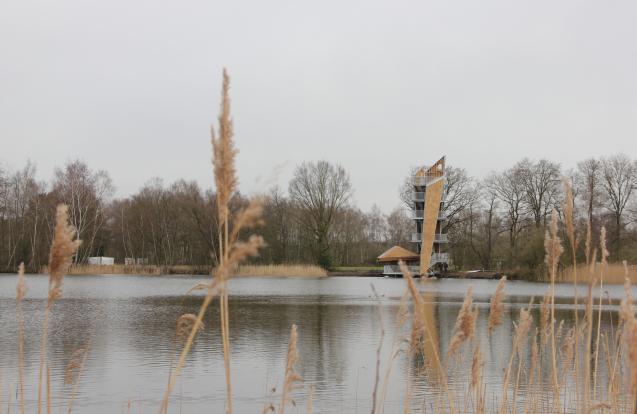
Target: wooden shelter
column 391, row 257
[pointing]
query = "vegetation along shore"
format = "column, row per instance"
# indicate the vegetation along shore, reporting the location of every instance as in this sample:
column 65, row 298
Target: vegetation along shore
column 496, row 223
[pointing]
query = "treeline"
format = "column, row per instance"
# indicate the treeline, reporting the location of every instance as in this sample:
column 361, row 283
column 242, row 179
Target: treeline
column 503, row 223
column 494, row 223
column 176, row 224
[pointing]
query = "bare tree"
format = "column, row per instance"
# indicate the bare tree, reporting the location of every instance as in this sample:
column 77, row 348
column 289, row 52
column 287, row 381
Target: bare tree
column 619, row 177
column 487, row 226
column 399, row 227
column 320, row 190
column 461, row 193
column 587, row 182
column 540, row 181
column 508, row 188
column 86, row 192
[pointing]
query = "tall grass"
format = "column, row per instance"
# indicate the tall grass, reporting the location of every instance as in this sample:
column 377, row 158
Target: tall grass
column 281, row 270
column 614, row 273
column 286, row 270
column 21, row 290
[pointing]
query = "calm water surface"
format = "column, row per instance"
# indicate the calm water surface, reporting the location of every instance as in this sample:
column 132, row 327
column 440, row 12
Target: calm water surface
column 130, row 323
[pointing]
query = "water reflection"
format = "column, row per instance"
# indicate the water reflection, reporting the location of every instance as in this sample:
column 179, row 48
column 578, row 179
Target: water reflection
column 130, row 322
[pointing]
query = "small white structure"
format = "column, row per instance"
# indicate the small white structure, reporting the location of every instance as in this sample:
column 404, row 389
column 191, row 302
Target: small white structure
column 101, row 261
column 131, row 261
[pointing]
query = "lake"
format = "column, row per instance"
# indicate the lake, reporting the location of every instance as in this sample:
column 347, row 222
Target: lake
column 130, row 323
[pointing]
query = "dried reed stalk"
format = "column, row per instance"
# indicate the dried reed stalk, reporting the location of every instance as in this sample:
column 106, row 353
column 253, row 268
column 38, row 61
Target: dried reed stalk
column 62, row 251
column 375, row 402
column 627, row 315
column 21, row 290
column 396, row 349
column 567, row 351
column 529, row 402
column 48, row 389
column 310, row 398
column 569, row 204
column 553, row 249
column 476, row 380
column 232, row 251
column 419, row 329
column 9, row 405
column 545, row 317
column 588, row 315
column 496, row 306
column 521, row 331
column 291, row 376
column 604, row 257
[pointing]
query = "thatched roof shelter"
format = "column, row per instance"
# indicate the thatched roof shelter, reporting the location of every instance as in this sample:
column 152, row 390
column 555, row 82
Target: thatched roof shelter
column 397, row 253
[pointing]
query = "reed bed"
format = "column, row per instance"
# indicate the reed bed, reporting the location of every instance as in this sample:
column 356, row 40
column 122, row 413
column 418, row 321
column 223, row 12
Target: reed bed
column 548, row 369
column 278, row 270
column 281, row 271
column 614, row 273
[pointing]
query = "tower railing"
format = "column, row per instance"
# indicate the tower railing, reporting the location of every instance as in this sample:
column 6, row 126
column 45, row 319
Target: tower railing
column 438, row 238
column 426, row 179
column 419, row 214
column 395, row 270
column 439, row 258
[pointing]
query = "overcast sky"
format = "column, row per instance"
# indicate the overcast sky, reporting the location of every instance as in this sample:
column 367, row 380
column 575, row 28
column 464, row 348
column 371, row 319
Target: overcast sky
column 377, row 86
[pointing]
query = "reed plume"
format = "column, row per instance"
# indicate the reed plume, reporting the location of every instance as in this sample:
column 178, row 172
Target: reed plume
column 224, row 153
column 62, row 251
column 465, row 324
column 21, row 290
column 496, row 306
column 291, row 376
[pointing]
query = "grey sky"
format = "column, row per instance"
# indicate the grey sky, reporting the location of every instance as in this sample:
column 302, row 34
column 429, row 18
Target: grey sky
column 133, row 86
